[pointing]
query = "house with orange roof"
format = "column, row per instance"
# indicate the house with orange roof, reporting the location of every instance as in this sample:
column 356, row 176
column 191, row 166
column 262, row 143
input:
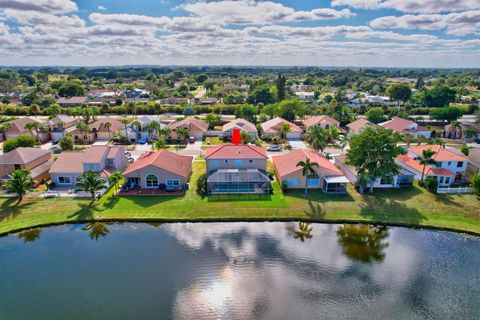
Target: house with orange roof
column 36, row 160
column 237, row 169
column 401, row 125
column 239, row 124
column 163, row 169
column 195, row 127
column 327, row 178
column 322, row 121
column 69, row 166
column 450, row 167
column 273, row 127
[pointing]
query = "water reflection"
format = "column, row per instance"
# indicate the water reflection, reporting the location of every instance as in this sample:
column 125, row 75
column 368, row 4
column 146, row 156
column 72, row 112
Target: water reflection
column 30, row 235
column 97, row 230
column 362, row 242
column 304, row 231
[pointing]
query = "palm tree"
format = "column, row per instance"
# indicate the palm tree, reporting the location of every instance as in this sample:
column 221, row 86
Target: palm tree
column 19, row 182
column 456, row 126
column 183, row 132
column 125, row 122
column 408, row 138
column 158, row 144
column 97, row 230
column 108, row 125
column 138, row 126
column 4, row 127
column 115, row 178
column 307, row 170
column 153, row 126
column 165, row 132
column 425, row 159
column 83, row 129
column 66, row 143
column 32, row 126
column 304, row 231
column 90, row 181
column 317, row 138
column 284, row 130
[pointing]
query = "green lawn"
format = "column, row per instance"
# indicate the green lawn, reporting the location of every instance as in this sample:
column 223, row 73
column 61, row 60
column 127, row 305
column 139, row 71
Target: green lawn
column 412, row 206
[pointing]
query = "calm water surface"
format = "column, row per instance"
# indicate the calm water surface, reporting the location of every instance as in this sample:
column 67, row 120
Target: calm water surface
column 238, row 271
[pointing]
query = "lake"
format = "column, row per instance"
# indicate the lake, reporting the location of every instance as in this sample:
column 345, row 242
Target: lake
column 238, row 271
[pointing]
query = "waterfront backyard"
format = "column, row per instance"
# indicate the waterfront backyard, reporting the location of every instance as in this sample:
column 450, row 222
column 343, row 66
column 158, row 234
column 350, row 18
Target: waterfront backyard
column 413, row 206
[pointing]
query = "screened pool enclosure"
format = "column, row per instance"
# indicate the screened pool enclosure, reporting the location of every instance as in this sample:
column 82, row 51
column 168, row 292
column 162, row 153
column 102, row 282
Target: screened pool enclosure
column 224, row 181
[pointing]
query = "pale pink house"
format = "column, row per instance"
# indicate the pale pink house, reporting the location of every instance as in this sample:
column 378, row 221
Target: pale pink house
column 322, row 121
column 328, row 177
column 273, row 127
column 195, row 127
column 401, row 125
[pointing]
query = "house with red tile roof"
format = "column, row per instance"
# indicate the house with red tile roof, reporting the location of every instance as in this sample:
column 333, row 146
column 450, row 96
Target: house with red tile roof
column 273, row 127
column 401, row 125
column 195, row 127
column 327, row 178
column 239, row 124
column 162, row 169
column 71, row 102
column 69, row 166
column 36, row 160
column 450, row 167
column 237, row 169
column 323, row 121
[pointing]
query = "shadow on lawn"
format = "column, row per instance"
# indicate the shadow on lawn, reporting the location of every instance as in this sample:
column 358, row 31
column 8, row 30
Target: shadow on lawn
column 319, row 196
column 148, row 201
column 315, row 210
column 11, row 208
column 376, row 207
column 238, row 197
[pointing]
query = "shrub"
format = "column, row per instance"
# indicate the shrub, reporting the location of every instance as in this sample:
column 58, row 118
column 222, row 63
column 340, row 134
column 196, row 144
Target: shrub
column 465, row 150
column 475, row 184
column 431, row 184
column 202, row 185
column 20, row 141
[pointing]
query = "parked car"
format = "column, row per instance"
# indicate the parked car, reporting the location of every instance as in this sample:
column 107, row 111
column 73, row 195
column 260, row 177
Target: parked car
column 142, row 140
column 191, row 139
column 274, row 148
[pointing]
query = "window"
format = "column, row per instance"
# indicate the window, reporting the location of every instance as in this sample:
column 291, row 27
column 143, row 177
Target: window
column 385, row 181
column 214, row 164
column 250, row 161
column 449, row 163
column 313, row 182
column 64, row 180
column 173, row 183
column 226, row 161
column 447, row 180
column 441, row 180
column 151, row 181
column 292, row 182
column 238, row 163
column 459, row 164
column 110, row 163
column 89, row 167
column 16, row 166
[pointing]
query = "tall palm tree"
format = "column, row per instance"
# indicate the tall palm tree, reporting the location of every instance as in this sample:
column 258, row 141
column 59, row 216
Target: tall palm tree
column 456, row 126
column 66, row 143
column 4, row 127
column 317, row 138
column 284, row 130
column 115, row 178
column 408, row 138
column 32, row 126
column 83, row 129
column 158, row 144
column 307, row 170
column 425, row 159
column 183, row 132
column 19, row 182
column 125, row 122
column 138, row 126
column 165, row 132
column 90, row 181
column 153, row 126
column 108, row 125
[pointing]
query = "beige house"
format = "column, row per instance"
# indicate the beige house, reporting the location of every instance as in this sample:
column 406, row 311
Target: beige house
column 195, row 127
column 18, row 128
column 36, row 160
column 159, row 170
column 328, row 177
column 473, row 161
column 237, row 169
column 98, row 131
column 273, row 127
column 61, row 126
column 357, row 126
column 323, row 121
column 69, row 166
column 240, row 124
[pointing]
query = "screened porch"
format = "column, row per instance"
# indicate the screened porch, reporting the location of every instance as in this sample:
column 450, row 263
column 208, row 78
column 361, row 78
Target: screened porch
column 335, row 184
column 242, row 181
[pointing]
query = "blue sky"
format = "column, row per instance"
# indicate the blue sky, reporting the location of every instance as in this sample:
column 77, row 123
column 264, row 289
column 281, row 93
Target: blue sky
column 383, row 33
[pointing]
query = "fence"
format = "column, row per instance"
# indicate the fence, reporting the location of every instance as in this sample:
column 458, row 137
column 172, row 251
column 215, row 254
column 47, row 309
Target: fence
column 454, row 190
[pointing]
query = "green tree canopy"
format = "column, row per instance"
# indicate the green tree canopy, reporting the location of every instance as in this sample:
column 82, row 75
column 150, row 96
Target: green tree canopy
column 375, row 115
column 373, row 154
column 20, row 141
column 399, row 92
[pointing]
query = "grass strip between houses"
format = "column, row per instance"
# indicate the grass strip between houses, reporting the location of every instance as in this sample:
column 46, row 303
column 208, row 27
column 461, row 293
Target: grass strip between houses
column 410, row 207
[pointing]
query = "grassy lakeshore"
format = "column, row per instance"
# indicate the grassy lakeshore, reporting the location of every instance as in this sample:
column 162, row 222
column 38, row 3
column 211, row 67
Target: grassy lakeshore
column 412, row 206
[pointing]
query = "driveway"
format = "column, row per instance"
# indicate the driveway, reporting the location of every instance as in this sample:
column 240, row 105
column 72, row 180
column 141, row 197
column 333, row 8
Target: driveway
column 192, row 149
column 47, row 146
column 297, row 144
column 100, row 143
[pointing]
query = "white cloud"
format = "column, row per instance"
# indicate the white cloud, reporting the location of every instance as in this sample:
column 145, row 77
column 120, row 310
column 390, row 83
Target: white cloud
column 101, row 7
column 253, row 12
column 413, row 6
column 456, row 23
column 127, row 19
column 38, row 18
column 46, row 6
